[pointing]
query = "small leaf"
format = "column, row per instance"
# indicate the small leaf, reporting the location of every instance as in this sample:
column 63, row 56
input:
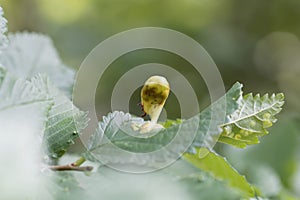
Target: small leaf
column 222, row 170
column 29, row 54
column 65, row 121
column 251, row 120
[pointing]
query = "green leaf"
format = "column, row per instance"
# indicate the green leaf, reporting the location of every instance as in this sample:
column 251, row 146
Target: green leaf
column 261, row 166
column 221, row 170
column 170, row 123
column 3, row 29
column 115, row 131
column 200, row 184
column 251, row 120
column 65, row 121
column 29, row 54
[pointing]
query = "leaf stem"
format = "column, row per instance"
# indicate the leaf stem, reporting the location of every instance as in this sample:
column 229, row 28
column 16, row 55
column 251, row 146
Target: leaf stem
column 78, row 162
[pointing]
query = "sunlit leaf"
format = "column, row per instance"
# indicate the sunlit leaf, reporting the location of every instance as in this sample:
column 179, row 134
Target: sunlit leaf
column 222, row 170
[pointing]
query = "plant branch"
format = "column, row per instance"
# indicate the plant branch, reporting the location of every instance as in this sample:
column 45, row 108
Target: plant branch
column 75, row 166
column 70, row 167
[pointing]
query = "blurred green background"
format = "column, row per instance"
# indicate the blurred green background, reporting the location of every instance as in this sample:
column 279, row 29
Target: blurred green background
column 255, row 42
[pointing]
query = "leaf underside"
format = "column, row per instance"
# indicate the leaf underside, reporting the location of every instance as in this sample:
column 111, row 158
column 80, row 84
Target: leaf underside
column 251, row 119
column 65, row 121
column 115, row 141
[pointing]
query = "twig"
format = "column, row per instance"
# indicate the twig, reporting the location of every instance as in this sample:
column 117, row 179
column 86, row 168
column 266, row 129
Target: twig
column 70, row 167
column 75, row 166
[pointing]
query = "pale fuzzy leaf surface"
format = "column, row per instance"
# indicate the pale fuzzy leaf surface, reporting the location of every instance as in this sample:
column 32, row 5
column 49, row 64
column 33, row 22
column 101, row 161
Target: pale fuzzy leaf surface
column 23, row 114
column 115, row 141
column 64, row 120
column 16, row 92
column 28, row 54
column 251, row 120
column 180, row 181
column 3, row 29
column 222, row 170
column 27, row 110
column 64, row 185
column 202, row 186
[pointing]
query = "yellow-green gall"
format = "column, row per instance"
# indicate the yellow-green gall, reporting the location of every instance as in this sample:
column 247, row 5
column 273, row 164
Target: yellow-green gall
column 266, row 116
column 203, row 152
column 227, row 130
column 267, row 123
column 244, row 132
column 237, row 136
column 252, row 123
column 231, row 135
